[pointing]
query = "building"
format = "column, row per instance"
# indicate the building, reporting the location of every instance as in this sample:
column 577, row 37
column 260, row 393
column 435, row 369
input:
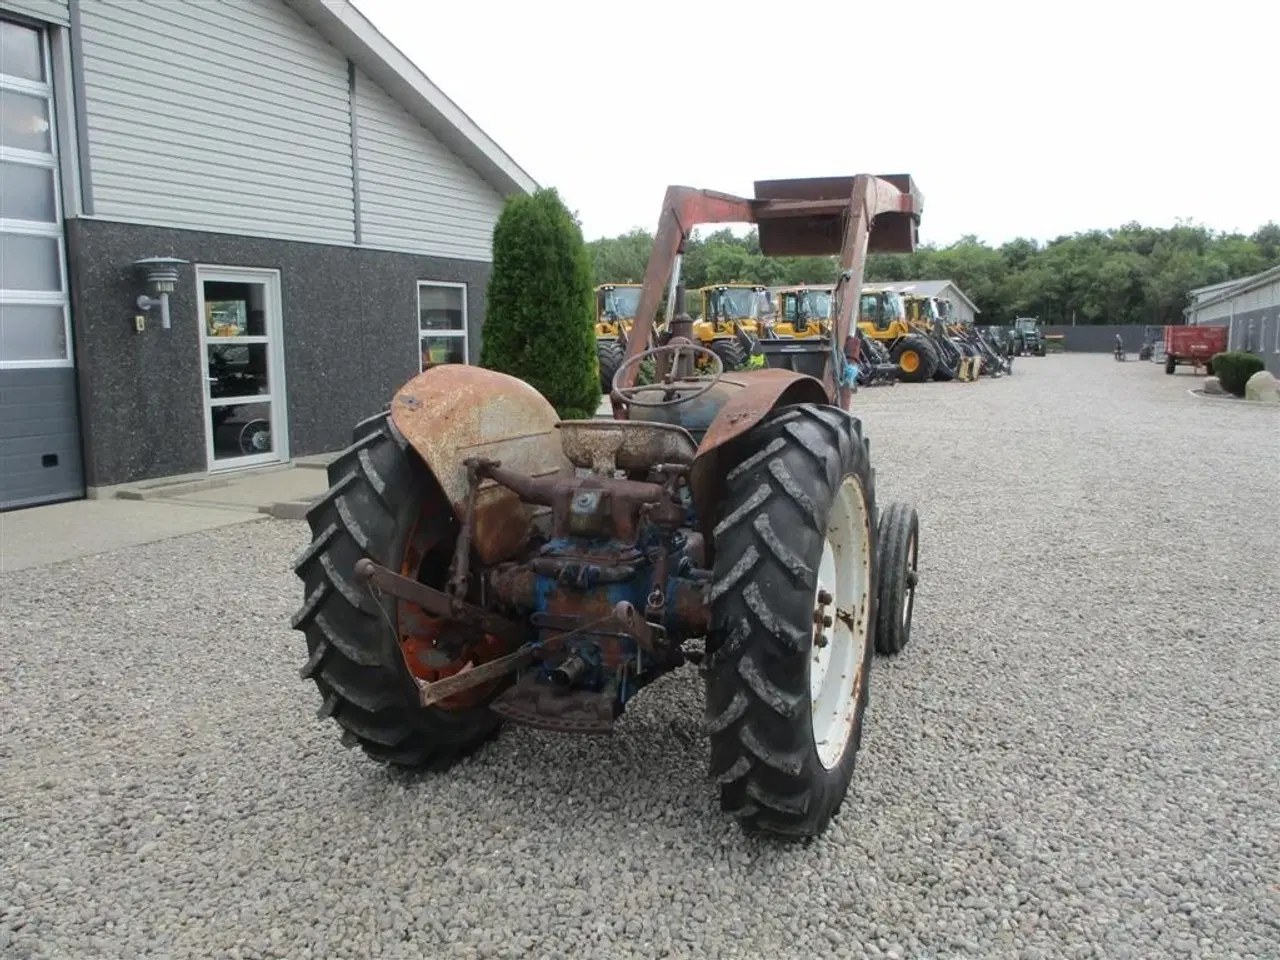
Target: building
column 1249, row 308
column 965, row 309
column 329, row 209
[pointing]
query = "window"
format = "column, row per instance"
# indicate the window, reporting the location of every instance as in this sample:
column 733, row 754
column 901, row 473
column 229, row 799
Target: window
column 442, row 323
column 34, row 327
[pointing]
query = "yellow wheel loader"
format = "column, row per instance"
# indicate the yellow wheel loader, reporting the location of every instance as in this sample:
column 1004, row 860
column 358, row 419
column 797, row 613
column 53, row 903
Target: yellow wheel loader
column 882, row 316
column 802, row 312
column 615, row 315
column 733, row 318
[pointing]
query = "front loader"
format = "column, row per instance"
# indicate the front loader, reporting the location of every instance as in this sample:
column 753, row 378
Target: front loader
column 615, row 316
column 478, row 561
column 731, row 321
column 882, row 317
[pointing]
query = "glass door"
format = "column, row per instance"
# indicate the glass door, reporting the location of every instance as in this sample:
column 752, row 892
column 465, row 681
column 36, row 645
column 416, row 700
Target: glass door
column 240, row 342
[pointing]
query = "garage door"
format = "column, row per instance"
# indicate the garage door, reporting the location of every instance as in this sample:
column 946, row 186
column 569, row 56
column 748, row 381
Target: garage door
column 40, row 452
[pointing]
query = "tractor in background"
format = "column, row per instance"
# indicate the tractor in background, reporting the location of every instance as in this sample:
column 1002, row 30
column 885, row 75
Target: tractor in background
column 476, row 560
column 1027, row 337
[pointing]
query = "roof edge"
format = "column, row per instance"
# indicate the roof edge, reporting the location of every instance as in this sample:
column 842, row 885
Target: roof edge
column 1249, row 283
column 355, row 36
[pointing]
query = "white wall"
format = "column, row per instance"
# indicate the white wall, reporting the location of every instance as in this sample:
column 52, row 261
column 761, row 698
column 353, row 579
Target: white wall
column 415, row 194
column 230, row 116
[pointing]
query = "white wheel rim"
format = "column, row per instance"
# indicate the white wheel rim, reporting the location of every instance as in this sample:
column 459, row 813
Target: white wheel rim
column 838, row 654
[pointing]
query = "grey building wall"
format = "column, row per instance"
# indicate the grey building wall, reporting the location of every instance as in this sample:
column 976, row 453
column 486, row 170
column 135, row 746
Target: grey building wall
column 48, row 11
column 350, row 340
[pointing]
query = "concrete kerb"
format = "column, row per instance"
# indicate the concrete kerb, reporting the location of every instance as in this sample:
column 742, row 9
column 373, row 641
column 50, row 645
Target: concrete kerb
column 1201, row 395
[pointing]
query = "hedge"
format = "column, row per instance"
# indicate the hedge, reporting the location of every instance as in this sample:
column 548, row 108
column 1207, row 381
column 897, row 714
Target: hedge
column 540, row 317
column 1234, row 368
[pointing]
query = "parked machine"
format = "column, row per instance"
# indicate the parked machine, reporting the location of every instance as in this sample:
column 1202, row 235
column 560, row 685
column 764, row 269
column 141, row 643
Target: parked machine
column 477, row 560
column 1193, row 346
column 731, row 320
column 882, row 317
column 615, row 314
column 1026, row 335
column 803, row 312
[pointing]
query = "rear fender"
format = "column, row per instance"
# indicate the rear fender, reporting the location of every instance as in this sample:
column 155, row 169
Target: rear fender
column 720, row 450
column 452, row 412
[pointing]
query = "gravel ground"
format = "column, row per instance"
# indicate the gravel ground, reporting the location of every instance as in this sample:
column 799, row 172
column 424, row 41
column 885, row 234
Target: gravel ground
column 1075, row 757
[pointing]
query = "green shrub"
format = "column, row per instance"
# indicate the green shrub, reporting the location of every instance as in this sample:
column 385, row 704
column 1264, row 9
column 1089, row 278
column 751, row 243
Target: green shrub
column 1234, row 368
column 540, row 319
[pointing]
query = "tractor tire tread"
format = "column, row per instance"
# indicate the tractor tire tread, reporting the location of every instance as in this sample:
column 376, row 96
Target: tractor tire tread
column 353, row 658
column 757, row 717
column 898, row 525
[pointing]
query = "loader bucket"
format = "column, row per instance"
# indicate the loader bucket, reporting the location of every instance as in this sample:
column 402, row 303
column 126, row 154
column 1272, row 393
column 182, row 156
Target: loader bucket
column 809, row 357
column 821, row 233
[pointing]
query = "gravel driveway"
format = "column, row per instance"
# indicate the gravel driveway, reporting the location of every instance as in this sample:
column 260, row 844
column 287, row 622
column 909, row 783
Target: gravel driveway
column 1076, row 756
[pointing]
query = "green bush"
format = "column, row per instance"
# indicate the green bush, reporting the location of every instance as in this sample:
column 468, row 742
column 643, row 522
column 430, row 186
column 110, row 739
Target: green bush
column 1234, row 368
column 540, row 319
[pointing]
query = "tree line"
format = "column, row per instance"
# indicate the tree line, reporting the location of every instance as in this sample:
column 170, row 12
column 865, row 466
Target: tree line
column 1131, row 274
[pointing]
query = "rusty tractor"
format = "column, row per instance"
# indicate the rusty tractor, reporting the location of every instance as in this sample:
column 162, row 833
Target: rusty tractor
column 477, row 561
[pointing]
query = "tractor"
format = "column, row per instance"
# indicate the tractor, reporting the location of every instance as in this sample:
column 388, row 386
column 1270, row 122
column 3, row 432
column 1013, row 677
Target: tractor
column 478, row 561
column 615, row 315
column 732, row 319
column 1027, row 337
column 882, row 317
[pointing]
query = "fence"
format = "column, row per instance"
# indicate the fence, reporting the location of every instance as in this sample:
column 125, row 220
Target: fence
column 1098, row 339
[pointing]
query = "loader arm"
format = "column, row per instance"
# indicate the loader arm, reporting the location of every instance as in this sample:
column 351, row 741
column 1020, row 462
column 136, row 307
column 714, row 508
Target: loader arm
column 849, row 216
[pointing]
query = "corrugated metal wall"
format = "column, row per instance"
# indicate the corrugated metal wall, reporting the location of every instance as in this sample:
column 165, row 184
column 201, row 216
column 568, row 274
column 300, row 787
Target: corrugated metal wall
column 231, row 116
column 50, row 11
column 415, row 194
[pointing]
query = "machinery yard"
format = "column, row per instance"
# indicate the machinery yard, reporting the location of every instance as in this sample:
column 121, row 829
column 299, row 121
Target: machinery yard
column 1069, row 759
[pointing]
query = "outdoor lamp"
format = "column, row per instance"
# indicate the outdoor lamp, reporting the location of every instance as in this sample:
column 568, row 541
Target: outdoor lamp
column 161, row 274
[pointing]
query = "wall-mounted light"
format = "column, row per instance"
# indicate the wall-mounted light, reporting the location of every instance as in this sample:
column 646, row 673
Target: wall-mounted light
column 161, row 275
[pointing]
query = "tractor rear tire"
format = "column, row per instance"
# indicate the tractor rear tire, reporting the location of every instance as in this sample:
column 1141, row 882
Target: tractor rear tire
column 1170, row 365
column 378, row 491
column 731, row 353
column 782, row 752
column 610, row 355
column 926, row 358
column 898, row 541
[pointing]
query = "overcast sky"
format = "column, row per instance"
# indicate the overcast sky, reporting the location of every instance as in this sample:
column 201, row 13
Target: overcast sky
column 1016, row 119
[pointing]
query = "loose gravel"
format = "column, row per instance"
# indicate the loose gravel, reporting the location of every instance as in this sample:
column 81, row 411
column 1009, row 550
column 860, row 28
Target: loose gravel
column 1075, row 756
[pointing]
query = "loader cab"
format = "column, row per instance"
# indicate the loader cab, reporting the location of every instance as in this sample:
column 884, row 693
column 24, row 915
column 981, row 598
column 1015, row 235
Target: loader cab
column 804, row 310
column 883, row 309
column 616, row 305
column 725, row 303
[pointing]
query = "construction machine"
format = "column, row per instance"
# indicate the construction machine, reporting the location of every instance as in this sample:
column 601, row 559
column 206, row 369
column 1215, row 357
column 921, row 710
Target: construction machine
column 615, row 315
column 803, row 312
column 476, row 560
column 882, row 317
column 732, row 319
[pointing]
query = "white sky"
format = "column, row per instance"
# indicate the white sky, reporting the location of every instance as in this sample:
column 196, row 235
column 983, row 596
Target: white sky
column 1016, row 119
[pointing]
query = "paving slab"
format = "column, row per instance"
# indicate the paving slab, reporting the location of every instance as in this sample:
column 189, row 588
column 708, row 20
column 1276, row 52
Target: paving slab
column 36, row 536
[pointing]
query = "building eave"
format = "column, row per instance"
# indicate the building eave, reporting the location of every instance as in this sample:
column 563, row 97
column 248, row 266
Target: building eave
column 355, row 36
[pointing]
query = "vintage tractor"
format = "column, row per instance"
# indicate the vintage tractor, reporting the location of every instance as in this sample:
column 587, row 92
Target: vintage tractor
column 882, row 317
column 615, row 315
column 732, row 320
column 477, row 560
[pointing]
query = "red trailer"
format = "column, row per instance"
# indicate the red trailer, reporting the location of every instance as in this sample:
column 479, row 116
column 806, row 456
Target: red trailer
column 1193, row 345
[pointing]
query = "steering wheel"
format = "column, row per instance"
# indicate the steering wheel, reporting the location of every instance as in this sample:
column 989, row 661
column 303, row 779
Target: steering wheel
column 672, row 395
